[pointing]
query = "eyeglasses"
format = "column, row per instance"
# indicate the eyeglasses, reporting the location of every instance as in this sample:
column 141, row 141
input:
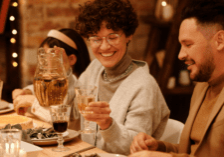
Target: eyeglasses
column 112, row 39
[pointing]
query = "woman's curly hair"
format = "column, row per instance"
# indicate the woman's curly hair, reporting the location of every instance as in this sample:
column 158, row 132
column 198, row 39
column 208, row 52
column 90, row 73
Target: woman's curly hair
column 118, row 14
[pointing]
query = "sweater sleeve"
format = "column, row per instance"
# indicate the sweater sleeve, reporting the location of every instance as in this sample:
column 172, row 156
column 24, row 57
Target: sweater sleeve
column 31, row 88
column 143, row 110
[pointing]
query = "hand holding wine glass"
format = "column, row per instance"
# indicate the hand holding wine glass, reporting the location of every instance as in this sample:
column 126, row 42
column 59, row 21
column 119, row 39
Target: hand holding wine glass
column 100, row 114
column 60, row 115
column 85, row 95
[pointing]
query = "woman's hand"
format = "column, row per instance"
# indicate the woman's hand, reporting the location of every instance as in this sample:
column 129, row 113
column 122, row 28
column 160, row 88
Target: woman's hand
column 100, row 114
column 17, row 92
column 142, row 141
column 23, row 101
column 150, row 154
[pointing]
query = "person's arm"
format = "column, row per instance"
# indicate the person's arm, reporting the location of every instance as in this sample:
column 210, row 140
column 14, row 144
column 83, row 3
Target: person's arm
column 42, row 113
column 146, row 111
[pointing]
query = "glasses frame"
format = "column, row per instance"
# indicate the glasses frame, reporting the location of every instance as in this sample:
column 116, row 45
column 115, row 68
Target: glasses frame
column 101, row 39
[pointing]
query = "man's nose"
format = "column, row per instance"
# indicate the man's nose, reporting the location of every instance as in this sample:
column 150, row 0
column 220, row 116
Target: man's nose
column 182, row 54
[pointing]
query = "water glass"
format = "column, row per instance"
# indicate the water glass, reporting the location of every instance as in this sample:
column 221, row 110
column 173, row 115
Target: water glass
column 10, row 142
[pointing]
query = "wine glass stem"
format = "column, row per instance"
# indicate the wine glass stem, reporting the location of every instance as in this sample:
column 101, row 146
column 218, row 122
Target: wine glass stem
column 86, row 123
column 60, row 141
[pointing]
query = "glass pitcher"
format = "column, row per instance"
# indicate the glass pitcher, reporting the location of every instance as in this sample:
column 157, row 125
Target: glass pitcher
column 50, row 80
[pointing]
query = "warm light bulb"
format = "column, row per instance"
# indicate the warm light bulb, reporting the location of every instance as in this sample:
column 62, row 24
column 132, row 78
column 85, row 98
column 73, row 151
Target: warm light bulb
column 14, row 4
column 14, row 31
column 12, row 18
column 14, row 55
column 13, row 40
column 163, row 3
column 14, row 64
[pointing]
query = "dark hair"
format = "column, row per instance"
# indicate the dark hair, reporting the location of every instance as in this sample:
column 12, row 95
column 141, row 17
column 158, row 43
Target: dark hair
column 81, row 53
column 205, row 11
column 118, row 14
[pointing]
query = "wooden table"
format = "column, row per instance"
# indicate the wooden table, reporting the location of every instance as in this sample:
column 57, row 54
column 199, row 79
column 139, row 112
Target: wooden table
column 75, row 144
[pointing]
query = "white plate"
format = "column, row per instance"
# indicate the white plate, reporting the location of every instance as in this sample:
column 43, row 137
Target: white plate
column 30, row 149
column 71, row 135
column 3, row 104
column 8, row 109
column 52, row 138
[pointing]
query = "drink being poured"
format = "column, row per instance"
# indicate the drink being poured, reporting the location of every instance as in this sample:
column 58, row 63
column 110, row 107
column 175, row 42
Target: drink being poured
column 50, row 81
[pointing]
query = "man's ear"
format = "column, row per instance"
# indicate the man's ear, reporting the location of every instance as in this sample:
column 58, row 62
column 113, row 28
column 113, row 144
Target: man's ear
column 220, row 40
column 72, row 59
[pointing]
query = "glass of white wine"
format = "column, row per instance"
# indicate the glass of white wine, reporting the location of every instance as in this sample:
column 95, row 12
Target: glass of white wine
column 85, row 95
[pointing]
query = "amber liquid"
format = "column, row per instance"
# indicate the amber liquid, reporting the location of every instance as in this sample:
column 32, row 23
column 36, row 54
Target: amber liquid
column 83, row 102
column 50, row 91
column 60, row 126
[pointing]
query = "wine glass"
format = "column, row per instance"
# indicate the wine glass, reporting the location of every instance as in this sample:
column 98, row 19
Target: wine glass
column 60, row 115
column 85, row 95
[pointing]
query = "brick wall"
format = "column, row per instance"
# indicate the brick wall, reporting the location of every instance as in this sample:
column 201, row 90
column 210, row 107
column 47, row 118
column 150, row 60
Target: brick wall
column 39, row 16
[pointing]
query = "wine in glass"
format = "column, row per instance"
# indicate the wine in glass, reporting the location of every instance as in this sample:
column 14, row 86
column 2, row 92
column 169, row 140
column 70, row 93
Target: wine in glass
column 85, row 95
column 60, row 115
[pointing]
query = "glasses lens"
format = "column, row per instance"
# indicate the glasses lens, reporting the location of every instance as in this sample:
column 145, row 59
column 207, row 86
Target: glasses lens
column 113, row 39
column 95, row 41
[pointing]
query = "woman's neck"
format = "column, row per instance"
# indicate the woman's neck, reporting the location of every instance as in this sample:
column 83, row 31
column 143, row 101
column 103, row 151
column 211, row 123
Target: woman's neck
column 120, row 67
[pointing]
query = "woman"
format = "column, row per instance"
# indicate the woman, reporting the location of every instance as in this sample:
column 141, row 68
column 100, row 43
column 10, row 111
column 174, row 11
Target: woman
column 129, row 100
column 76, row 60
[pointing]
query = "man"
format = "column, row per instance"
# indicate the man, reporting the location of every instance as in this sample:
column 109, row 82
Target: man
column 201, row 36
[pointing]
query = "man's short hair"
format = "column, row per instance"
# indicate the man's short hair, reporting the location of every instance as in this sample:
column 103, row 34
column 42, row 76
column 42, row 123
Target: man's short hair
column 205, row 11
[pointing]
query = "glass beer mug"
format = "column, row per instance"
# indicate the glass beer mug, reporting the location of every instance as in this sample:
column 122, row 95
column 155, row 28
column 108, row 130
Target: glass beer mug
column 50, row 80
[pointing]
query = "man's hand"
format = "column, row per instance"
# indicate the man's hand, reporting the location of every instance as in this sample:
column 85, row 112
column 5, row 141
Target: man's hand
column 142, row 141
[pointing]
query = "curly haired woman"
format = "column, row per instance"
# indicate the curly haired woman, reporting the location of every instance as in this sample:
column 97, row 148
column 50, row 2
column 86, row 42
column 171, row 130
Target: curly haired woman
column 129, row 100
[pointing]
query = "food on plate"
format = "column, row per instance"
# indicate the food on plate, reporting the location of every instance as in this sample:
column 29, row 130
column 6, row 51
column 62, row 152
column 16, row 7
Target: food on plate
column 41, row 133
column 25, row 122
column 91, row 155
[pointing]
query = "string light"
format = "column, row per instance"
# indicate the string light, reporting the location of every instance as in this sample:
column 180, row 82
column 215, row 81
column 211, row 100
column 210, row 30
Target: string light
column 13, row 22
column 13, row 40
column 14, row 55
column 12, row 18
column 14, row 4
column 163, row 3
column 14, row 64
column 14, row 31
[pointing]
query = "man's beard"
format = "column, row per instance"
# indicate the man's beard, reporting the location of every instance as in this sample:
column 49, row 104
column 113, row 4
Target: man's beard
column 206, row 69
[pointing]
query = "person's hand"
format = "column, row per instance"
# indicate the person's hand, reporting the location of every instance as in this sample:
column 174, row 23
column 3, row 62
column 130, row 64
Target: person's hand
column 23, row 101
column 142, row 141
column 146, row 153
column 17, row 92
column 100, row 113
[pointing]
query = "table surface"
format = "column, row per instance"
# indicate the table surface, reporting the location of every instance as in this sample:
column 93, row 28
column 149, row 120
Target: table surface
column 74, row 145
